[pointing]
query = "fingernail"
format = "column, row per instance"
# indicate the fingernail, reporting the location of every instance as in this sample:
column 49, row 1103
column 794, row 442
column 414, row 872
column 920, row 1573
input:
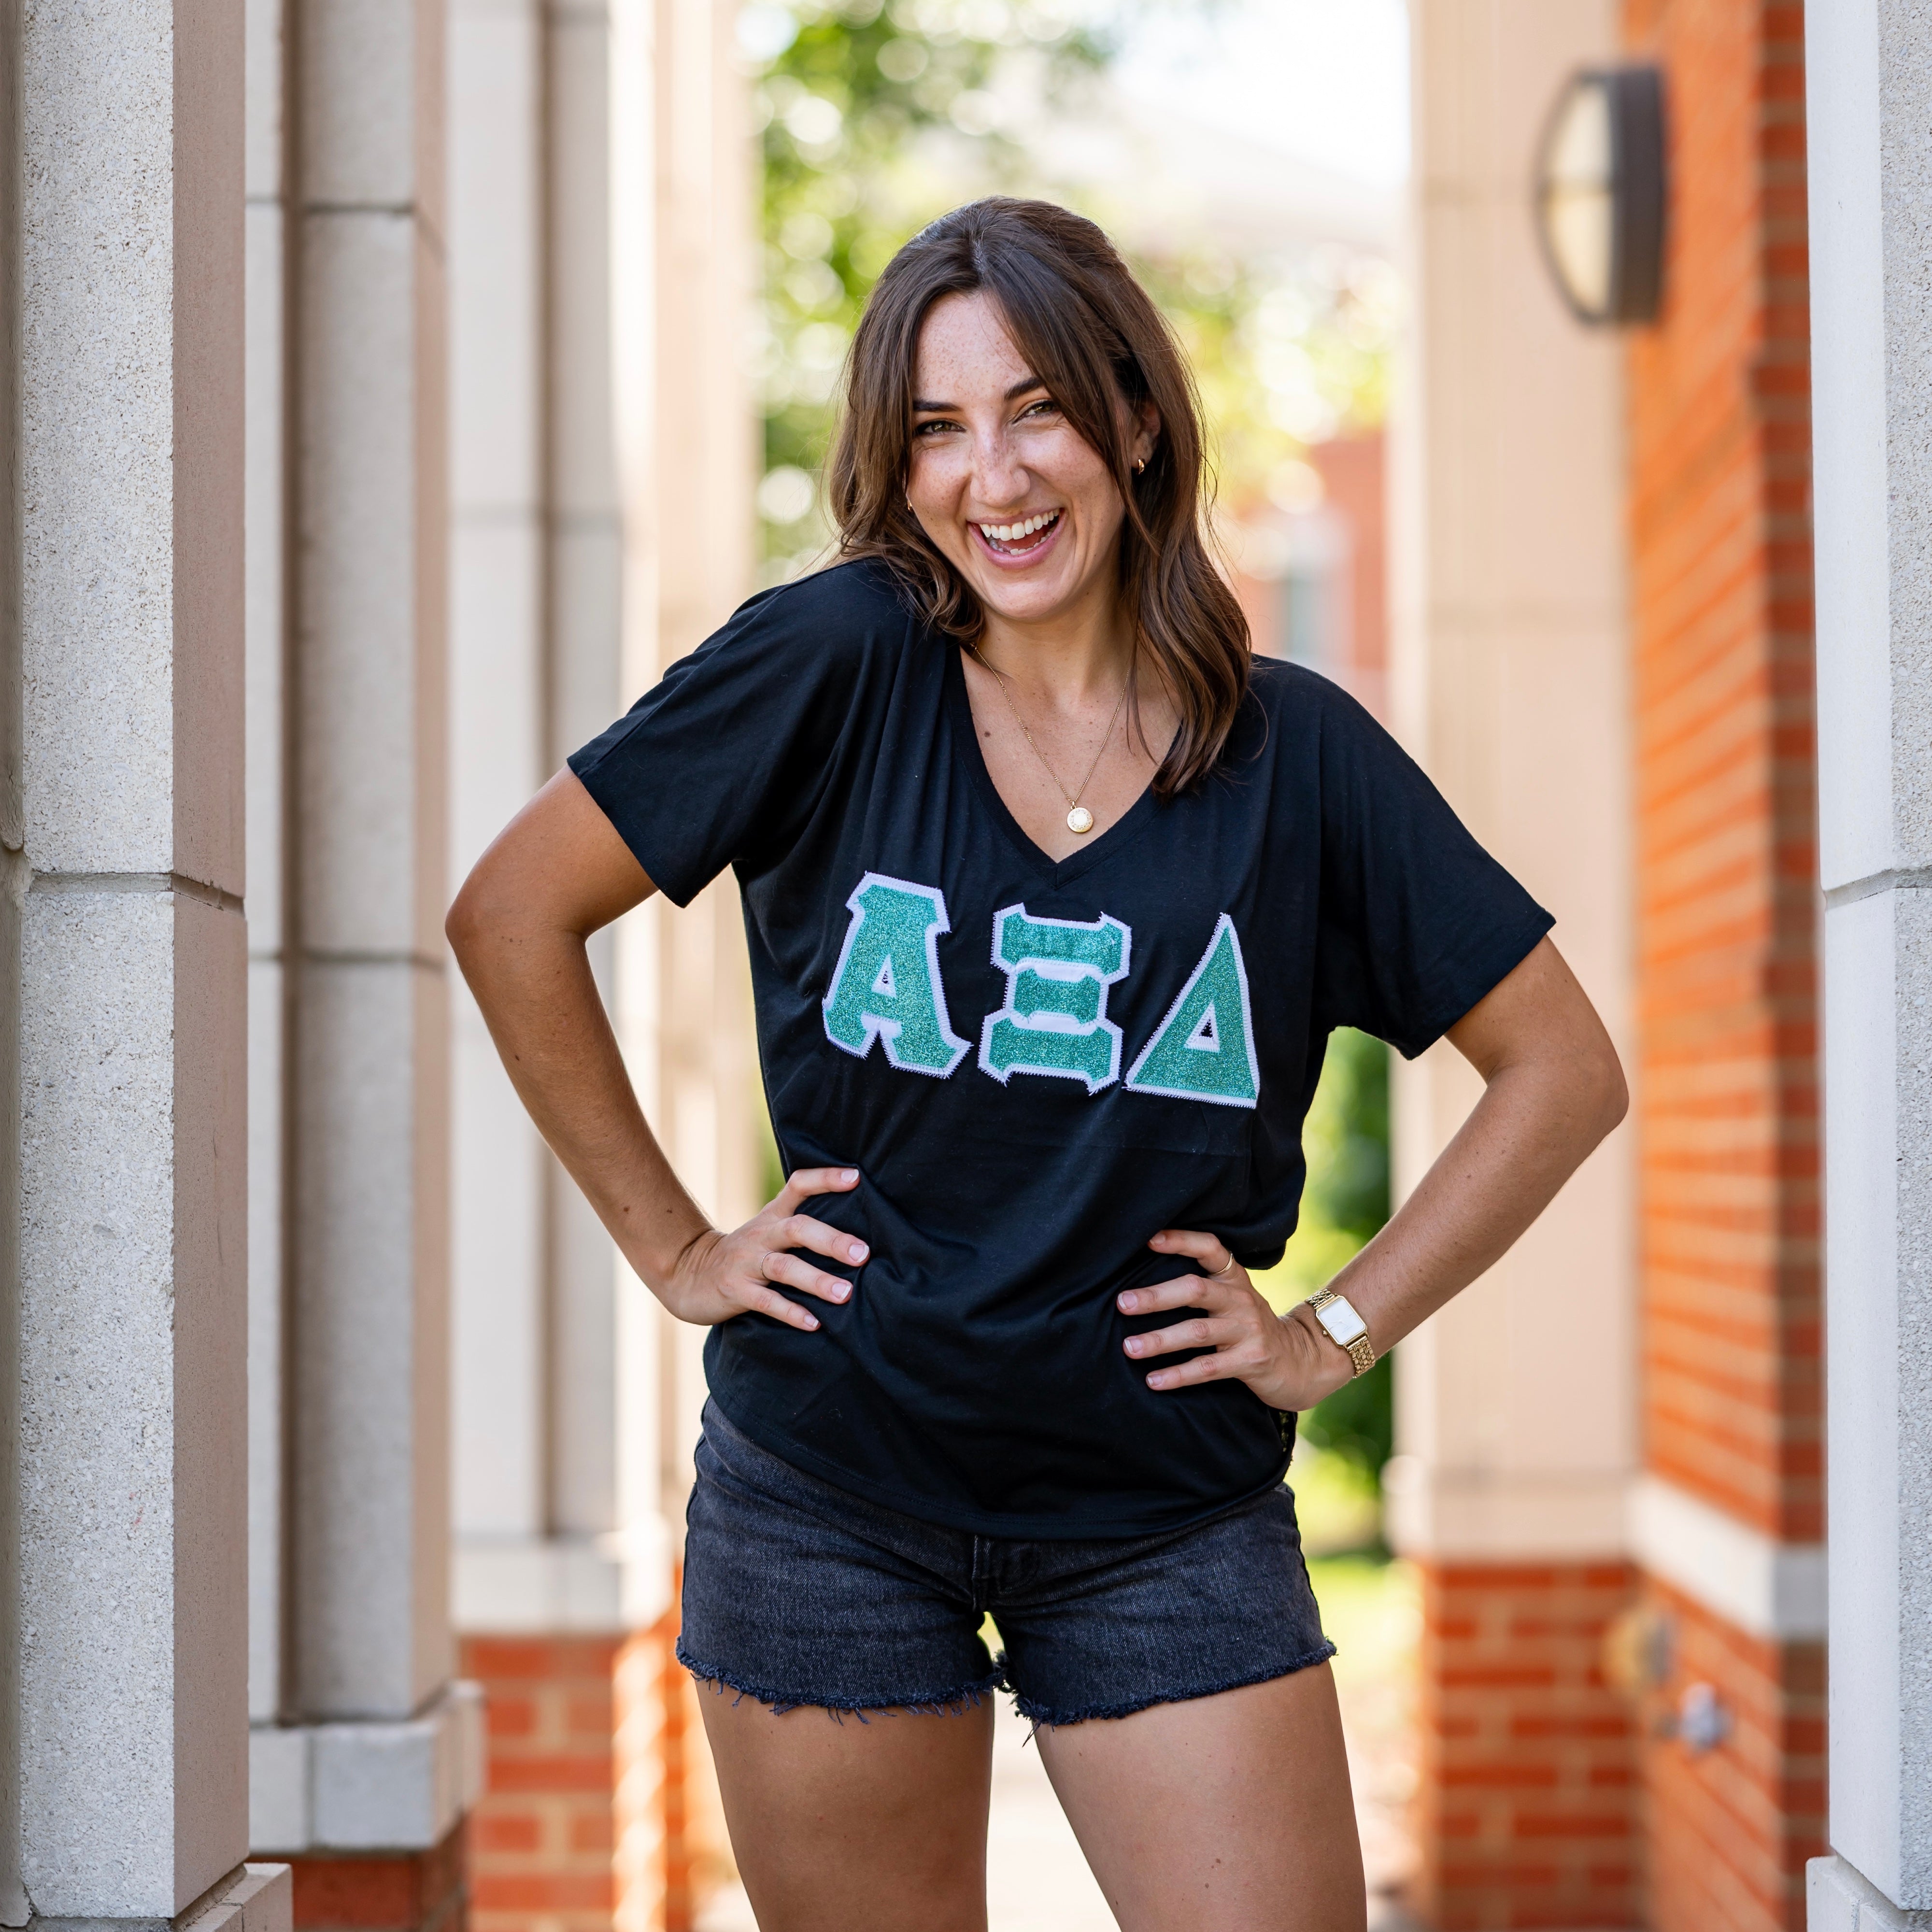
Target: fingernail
column 1133, row 1345
column 848, row 1175
column 811, row 1322
column 856, row 1251
column 1157, row 1381
column 840, row 1294
column 1129, row 1303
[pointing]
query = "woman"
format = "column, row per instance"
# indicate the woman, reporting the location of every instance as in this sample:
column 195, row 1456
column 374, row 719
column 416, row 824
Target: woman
column 1053, row 897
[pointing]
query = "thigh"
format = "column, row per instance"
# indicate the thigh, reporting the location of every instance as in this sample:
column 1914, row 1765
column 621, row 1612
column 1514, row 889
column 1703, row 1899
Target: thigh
column 1224, row 1813
column 843, row 1825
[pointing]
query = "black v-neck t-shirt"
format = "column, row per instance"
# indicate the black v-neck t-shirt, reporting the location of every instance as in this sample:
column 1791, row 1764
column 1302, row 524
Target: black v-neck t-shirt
column 1035, row 1067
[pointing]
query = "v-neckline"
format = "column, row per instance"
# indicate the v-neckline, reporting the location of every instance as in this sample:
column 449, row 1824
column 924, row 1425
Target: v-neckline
column 1059, row 872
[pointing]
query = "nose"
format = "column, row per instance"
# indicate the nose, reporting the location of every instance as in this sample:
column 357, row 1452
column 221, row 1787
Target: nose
column 999, row 478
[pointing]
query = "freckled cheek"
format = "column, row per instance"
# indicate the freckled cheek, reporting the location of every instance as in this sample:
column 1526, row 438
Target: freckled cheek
column 934, row 484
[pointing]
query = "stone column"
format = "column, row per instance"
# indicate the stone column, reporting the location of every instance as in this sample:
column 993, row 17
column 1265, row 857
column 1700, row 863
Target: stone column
column 499, row 584
column 122, row 956
column 1517, row 1404
column 373, row 1755
column 534, row 663
column 1869, row 70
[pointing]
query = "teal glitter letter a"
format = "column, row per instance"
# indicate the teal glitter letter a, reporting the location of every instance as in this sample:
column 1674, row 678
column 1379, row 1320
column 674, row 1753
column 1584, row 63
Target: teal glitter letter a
column 1204, row 1049
column 886, row 986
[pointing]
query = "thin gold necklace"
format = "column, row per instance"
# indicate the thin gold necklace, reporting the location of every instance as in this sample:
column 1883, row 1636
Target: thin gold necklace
column 1079, row 820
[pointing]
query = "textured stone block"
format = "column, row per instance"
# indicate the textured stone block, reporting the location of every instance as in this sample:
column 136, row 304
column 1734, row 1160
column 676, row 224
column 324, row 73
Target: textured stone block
column 371, row 78
column 131, row 547
column 134, row 1401
column 371, row 676
column 371, row 1274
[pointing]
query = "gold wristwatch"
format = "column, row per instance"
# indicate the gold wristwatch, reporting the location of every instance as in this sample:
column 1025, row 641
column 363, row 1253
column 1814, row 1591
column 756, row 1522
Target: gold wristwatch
column 1343, row 1326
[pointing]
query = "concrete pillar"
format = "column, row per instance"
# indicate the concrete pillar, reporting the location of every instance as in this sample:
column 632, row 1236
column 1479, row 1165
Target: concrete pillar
column 122, row 957
column 1869, row 69
column 535, row 646
column 1516, row 1404
column 366, row 1746
column 267, row 626
column 372, row 1633
column 498, row 560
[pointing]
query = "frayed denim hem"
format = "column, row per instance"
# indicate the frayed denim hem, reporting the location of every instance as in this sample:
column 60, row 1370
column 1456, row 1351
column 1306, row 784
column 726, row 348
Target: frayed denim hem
column 921, row 1704
column 1041, row 1717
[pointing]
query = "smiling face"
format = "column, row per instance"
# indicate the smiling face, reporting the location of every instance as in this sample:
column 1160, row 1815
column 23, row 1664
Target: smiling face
column 1022, row 505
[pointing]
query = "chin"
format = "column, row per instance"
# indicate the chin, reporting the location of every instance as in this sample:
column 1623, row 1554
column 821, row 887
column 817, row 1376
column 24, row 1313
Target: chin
column 1025, row 603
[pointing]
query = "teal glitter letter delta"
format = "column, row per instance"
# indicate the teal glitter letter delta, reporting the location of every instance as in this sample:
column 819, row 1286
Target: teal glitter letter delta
column 1204, row 1049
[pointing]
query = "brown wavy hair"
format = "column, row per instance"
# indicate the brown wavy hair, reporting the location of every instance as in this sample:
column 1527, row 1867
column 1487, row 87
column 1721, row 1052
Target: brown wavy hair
column 1088, row 330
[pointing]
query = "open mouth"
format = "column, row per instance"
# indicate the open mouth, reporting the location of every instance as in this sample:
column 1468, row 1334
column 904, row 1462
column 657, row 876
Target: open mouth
column 1022, row 538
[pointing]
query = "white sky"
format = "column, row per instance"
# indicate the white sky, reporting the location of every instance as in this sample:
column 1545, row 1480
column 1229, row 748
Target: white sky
column 1325, row 80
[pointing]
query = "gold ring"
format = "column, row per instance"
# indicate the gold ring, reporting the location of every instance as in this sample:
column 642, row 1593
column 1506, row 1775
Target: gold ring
column 1219, row 1273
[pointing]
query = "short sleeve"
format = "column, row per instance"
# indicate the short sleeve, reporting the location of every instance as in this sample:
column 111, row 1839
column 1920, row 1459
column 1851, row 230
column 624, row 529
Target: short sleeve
column 1418, row 923
column 723, row 760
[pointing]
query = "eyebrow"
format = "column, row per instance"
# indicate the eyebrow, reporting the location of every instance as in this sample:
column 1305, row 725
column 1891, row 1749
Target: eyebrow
column 921, row 407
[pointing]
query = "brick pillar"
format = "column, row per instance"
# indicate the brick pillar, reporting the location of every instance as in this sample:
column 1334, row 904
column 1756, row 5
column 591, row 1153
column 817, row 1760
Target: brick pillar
column 543, row 1836
column 1729, row 1514
column 1524, row 1815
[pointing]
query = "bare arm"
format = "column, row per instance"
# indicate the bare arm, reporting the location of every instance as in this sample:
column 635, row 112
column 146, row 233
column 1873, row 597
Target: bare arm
column 1553, row 1089
column 559, row 872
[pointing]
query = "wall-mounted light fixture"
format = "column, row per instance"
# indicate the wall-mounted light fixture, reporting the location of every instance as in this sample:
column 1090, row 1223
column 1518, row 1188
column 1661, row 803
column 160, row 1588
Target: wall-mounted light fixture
column 1600, row 193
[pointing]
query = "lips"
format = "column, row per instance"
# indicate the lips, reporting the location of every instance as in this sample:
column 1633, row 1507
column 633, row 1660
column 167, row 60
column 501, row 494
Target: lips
column 1021, row 537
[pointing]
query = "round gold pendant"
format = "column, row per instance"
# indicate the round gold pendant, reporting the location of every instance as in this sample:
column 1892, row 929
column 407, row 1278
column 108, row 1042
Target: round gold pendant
column 1080, row 819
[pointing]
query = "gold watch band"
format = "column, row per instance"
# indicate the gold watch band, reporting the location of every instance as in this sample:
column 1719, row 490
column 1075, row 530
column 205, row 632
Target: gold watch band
column 1361, row 1351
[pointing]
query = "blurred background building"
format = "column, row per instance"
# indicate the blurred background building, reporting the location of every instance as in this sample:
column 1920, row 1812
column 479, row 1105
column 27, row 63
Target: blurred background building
column 396, row 386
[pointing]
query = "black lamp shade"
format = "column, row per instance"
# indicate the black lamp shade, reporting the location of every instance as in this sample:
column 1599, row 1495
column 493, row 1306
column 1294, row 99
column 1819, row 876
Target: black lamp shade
column 1600, row 193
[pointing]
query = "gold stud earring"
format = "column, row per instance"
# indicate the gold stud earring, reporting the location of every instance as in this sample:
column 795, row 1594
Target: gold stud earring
column 1140, row 463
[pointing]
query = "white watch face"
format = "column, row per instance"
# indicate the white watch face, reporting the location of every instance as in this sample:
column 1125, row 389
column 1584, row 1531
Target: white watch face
column 1343, row 1325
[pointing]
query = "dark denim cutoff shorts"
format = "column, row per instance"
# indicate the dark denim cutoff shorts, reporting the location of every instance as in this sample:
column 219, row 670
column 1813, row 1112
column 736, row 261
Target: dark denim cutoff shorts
column 797, row 1593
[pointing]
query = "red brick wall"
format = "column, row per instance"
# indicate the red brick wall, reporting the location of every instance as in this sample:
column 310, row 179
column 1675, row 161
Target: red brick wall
column 542, row 1839
column 401, row 1891
column 1727, row 1076
column 1721, row 605
column 1527, row 1811
column 1729, row 1830
column 598, row 1815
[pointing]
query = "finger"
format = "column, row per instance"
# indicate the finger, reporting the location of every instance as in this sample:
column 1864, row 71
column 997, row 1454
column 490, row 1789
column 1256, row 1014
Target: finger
column 1202, row 1369
column 810, row 1181
column 763, row 1301
column 794, row 1271
column 801, row 1231
column 1199, row 1333
column 1186, row 1291
column 1207, row 1249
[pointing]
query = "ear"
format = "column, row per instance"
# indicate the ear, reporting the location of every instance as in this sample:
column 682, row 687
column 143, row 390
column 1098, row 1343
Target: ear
column 1147, row 434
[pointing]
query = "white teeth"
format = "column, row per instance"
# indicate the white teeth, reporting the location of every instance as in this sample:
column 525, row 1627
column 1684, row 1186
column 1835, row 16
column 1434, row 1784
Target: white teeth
column 1013, row 532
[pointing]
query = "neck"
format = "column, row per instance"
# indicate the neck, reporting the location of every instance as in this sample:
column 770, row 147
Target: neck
column 1082, row 652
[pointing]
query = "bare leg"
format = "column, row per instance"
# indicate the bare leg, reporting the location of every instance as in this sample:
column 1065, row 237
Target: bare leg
column 850, row 1827
column 1229, row 1813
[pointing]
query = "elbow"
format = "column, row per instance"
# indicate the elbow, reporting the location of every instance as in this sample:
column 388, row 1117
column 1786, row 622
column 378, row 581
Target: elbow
column 1611, row 1091
column 465, row 922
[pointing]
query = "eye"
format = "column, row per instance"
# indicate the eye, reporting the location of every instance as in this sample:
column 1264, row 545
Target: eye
column 927, row 429
column 1046, row 406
